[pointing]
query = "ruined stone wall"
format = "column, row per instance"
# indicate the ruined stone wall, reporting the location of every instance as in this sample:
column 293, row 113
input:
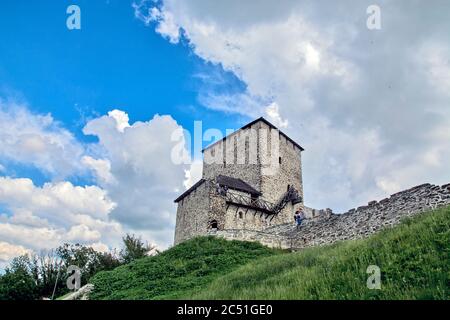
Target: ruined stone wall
column 366, row 220
column 315, row 214
column 192, row 214
column 265, row 238
column 357, row 223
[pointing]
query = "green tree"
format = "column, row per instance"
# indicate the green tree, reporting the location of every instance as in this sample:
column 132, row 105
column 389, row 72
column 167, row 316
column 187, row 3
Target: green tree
column 134, row 249
column 18, row 282
column 87, row 259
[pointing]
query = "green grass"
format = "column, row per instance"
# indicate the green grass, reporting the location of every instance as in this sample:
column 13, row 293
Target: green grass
column 182, row 270
column 413, row 258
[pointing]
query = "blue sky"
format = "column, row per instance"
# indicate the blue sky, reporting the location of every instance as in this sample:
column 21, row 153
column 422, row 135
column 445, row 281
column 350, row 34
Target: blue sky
column 84, row 156
column 114, row 61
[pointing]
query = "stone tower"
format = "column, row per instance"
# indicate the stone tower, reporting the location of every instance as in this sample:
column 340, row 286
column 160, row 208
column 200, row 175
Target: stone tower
column 252, row 180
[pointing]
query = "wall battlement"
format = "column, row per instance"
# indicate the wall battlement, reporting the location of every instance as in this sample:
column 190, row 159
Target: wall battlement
column 354, row 224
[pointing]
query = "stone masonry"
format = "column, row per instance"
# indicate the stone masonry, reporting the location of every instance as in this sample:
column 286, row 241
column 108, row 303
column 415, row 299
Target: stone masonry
column 354, row 224
column 252, row 185
column 257, row 166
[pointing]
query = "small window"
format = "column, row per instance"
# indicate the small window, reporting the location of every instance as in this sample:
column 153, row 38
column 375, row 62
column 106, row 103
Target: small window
column 279, row 160
column 213, row 224
column 288, row 187
column 241, row 215
column 213, row 152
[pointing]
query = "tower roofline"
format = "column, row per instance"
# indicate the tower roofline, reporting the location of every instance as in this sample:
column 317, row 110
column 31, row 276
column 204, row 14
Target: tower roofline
column 248, row 125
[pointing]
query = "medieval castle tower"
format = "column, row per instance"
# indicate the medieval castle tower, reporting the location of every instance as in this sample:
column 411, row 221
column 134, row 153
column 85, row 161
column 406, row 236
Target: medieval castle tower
column 252, row 185
column 252, row 180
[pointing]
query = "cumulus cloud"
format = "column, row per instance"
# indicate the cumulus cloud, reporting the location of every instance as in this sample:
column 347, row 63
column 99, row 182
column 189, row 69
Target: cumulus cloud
column 38, row 140
column 139, row 174
column 101, row 168
column 45, row 217
column 370, row 107
column 273, row 113
column 193, row 174
column 136, row 182
column 9, row 251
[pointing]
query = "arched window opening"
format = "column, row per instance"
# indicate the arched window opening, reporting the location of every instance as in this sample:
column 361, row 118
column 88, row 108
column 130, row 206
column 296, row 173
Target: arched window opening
column 213, row 224
column 241, row 215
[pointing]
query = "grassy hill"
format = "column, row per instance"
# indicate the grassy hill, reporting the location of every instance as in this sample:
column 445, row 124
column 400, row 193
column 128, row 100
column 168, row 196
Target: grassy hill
column 414, row 259
column 180, row 271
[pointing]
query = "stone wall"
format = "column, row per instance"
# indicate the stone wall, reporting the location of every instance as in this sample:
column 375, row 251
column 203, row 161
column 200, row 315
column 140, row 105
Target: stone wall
column 287, row 172
column 192, row 214
column 268, row 239
column 357, row 223
column 225, row 157
column 312, row 213
column 237, row 218
column 267, row 175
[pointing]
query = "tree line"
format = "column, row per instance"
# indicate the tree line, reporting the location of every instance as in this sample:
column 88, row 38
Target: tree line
column 44, row 275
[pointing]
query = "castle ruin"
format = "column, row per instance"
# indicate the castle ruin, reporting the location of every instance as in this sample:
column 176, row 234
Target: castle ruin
column 252, row 185
column 252, row 180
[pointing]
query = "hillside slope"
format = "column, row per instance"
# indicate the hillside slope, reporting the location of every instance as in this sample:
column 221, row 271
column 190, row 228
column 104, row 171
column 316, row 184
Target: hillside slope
column 414, row 259
column 181, row 270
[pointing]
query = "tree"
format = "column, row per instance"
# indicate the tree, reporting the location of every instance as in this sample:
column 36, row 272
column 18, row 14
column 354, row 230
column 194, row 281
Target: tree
column 48, row 269
column 87, row 259
column 34, row 276
column 134, row 249
column 18, row 282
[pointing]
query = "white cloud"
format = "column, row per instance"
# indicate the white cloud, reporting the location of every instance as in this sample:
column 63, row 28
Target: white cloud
column 435, row 58
column 273, row 113
column 100, row 247
column 193, row 174
column 370, row 107
column 83, row 233
column 101, row 167
column 9, row 251
column 168, row 29
column 45, row 217
column 37, row 140
column 121, row 119
column 146, row 181
column 136, row 181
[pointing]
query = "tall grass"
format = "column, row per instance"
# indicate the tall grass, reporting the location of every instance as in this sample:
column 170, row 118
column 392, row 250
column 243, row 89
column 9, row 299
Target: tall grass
column 182, row 270
column 413, row 258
